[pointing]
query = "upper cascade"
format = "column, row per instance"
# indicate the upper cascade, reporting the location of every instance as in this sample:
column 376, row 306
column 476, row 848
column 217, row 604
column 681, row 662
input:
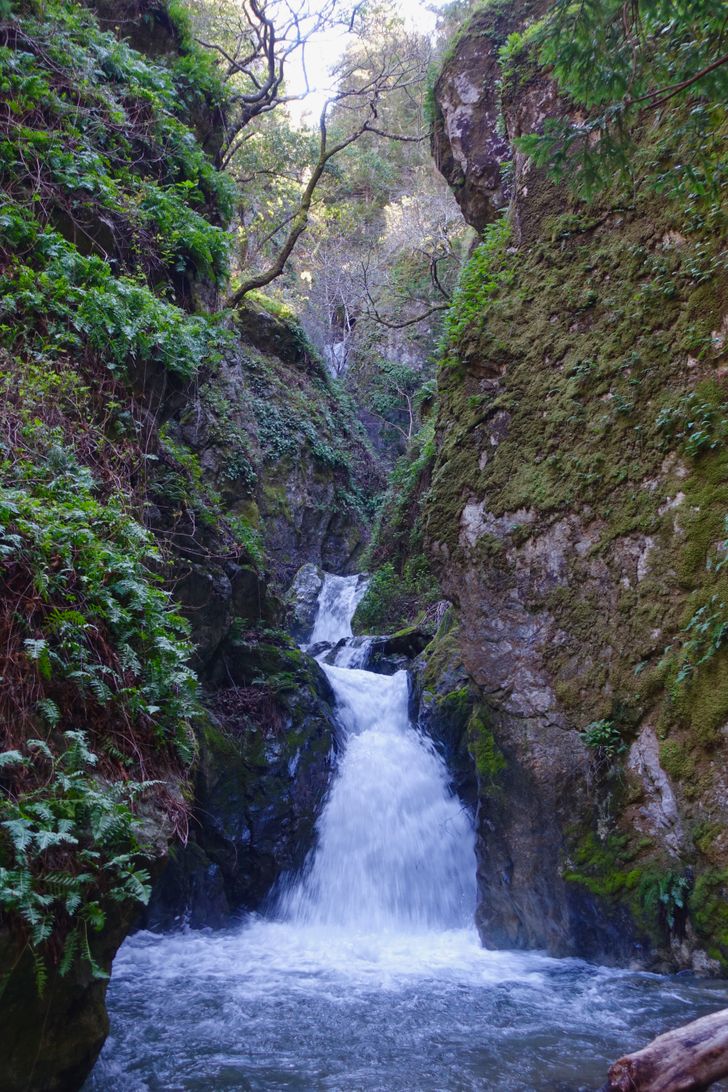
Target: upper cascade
column 338, row 600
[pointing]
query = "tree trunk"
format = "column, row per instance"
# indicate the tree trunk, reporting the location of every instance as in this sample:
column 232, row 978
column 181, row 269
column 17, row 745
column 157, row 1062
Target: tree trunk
column 690, row 1058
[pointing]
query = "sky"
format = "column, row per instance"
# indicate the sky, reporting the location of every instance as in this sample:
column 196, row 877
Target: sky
column 324, row 51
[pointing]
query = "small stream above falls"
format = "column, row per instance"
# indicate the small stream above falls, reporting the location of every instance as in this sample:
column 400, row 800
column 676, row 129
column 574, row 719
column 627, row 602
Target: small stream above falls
column 368, row 975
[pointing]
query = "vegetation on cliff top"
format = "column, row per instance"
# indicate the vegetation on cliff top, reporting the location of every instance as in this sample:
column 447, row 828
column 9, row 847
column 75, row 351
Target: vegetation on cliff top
column 633, row 68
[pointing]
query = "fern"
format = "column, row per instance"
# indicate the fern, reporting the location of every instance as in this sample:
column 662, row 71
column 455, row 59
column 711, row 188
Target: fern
column 41, row 973
column 94, row 822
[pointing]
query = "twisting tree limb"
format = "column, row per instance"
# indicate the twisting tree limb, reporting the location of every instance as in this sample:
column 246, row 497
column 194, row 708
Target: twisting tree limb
column 265, row 36
column 361, row 97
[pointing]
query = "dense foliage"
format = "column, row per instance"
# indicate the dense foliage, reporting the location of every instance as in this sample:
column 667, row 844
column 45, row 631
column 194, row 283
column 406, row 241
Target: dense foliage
column 110, row 224
column 92, row 652
column 648, row 66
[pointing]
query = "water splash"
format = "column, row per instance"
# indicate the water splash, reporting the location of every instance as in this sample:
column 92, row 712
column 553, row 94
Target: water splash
column 396, row 848
column 371, row 979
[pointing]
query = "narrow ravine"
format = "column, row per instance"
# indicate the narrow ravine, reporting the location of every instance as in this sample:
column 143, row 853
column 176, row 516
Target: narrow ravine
column 368, row 974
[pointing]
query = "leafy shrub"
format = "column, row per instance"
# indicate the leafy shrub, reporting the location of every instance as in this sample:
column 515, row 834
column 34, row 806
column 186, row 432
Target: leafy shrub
column 96, row 689
column 67, row 848
column 82, row 304
column 394, row 600
column 700, row 422
column 657, row 68
column 605, row 737
column 98, row 629
column 250, row 538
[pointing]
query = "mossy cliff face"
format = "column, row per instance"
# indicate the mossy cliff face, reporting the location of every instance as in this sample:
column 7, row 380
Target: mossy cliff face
column 577, row 519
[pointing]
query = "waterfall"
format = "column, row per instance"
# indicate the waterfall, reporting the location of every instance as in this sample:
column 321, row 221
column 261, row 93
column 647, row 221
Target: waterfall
column 395, row 847
column 369, row 975
column 338, row 599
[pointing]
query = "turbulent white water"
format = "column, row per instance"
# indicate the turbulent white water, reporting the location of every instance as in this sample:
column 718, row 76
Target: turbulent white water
column 339, row 598
column 369, row 977
column 396, row 848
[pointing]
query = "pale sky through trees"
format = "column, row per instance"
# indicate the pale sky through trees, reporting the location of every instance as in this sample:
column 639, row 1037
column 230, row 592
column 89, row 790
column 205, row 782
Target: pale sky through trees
column 324, row 50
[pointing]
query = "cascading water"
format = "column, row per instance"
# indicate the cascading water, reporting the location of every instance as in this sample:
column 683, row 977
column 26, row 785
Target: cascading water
column 339, row 598
column 369, row 976
column 396, row 848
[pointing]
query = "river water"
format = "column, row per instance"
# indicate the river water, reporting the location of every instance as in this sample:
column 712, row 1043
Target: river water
column 368, row 975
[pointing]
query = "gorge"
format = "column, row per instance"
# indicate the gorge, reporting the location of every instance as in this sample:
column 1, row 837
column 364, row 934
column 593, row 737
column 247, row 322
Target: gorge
column 366, row 970
column 363, row 542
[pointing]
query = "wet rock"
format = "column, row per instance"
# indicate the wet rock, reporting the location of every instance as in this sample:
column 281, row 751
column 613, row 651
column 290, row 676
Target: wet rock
column 302, row 602
column 442, row 700
column 266, row 757
column 50, row 1043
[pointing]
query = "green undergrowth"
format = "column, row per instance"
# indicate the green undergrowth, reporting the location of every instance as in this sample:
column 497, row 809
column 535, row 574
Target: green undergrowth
column 111, row 234
column 96, row 692
column 95, row 139
column 396, row 600
column 615, row 869
column 403, row 590
column 58, row 302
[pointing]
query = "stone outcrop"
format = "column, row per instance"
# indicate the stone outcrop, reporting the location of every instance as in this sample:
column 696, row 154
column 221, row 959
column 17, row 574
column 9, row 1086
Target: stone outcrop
column 51, row 1042
column 302, row 602
column 579, row 530
column 470, row 144
column 266, row 757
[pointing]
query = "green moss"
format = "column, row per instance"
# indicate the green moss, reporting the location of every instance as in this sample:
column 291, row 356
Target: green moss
column 613, row 868
column 574, row 427
column 490, row 762
column 272, row 306
column 677, row 760
column 707, row 836
column 709, row 913
column 456, row 702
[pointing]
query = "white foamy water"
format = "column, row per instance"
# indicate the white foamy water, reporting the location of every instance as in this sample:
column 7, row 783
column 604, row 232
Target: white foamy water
column 369, row 976
column 395, row 847
column 339, row 598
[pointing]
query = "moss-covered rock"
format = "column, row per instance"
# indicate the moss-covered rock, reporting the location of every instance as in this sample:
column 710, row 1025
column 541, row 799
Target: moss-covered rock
column 577, row 520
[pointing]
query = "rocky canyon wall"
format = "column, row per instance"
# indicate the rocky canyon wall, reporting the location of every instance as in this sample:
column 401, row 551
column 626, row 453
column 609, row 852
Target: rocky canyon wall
column 577, row 520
